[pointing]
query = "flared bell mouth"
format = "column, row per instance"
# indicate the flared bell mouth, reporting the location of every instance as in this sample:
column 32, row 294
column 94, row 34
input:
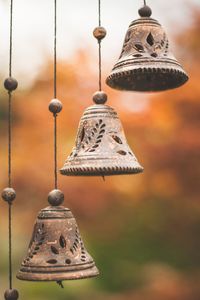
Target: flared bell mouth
column 147, row 79
column 71, row 170
column 58, row 274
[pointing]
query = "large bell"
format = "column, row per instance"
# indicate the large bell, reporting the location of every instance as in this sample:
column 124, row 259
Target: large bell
column 146, row 62
column 56, row 251
column 101, row 147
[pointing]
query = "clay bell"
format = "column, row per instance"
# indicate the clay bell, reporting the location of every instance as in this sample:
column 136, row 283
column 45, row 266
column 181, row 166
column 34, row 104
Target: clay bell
column 56, row 251
column 146, row 62
column 101, row 148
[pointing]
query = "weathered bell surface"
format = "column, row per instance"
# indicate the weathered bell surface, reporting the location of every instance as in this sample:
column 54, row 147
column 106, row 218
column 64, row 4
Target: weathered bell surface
column 56, row 251
column 146, row 62
column 101, row 147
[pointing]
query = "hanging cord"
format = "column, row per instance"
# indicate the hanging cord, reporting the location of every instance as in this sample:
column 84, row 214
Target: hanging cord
column 10, row 244
column 55, row 93
column 55, row 48
column 99, row 33
column 11, row 34
column 145, row 3
column 10, row 148
column 9, row 193
column 99, row 42
column 55, row 152
column 55, row 105
column 10, row 99
column 9, row 138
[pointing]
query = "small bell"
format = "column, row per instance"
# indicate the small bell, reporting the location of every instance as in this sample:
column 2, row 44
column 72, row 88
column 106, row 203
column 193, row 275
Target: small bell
column 101, row 146
column 56, row 251
column 146, row 63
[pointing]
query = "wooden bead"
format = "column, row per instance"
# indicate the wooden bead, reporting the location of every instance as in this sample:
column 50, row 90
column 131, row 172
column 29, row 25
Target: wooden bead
column 11, row 295
column 99, row 33
column 10, row 84
column 55, row 106
column 8, row 195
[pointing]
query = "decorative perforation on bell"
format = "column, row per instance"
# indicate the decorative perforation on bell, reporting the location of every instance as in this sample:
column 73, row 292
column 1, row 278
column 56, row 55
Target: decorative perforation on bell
column 56, row 251
column 146, row 63
column 101, row 147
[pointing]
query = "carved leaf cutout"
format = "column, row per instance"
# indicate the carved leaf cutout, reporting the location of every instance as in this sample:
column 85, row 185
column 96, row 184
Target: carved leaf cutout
column 139, row 47
column 137, row 55
column 62, row 241
column 150, row 39
column 54, row 250
column 117, row 139
column 102, row 131
column 82, row 135
column 52, row 261
column 121, row 152
column 95, row 146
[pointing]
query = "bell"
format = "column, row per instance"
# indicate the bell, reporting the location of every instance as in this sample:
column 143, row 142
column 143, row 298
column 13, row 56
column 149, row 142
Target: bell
column 101, row 147
column 56, row 251
column 146, row 62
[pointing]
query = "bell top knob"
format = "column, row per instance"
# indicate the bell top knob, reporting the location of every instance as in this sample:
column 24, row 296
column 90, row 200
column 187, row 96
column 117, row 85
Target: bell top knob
column 145, row 12
column 55, row 198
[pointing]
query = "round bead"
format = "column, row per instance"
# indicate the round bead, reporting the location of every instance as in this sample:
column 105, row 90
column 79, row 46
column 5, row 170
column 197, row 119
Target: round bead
column 100, row 97
column 145, row 11
column 55, row 198
column 11, row 295
column 99, row 33
column 55, row 106
column 10, row 84
column 8, row 195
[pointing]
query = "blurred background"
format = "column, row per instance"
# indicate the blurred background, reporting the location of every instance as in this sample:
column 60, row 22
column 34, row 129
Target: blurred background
column 144, row 230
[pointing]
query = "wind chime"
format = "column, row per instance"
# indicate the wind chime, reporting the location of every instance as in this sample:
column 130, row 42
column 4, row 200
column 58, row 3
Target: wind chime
column 56, row 251
column 101, row 148
column 146, row 63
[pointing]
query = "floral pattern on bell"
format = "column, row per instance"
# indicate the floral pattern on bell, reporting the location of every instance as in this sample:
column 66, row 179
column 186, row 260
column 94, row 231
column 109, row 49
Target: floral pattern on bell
column 146, row 62
column 56, row 251
column 101, row 147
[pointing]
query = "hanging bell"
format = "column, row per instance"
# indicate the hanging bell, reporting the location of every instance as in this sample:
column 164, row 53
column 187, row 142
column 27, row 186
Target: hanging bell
column 146, row 62
column 56, row 251
column 101, row 147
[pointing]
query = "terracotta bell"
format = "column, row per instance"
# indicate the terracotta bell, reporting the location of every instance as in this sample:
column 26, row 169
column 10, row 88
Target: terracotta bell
column 56, row 251
column 101, row 147
column 146, row 62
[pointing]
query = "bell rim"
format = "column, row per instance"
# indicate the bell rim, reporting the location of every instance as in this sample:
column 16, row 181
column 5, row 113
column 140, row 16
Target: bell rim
column 105, row 171
column 178, row 73
column 58, row 276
